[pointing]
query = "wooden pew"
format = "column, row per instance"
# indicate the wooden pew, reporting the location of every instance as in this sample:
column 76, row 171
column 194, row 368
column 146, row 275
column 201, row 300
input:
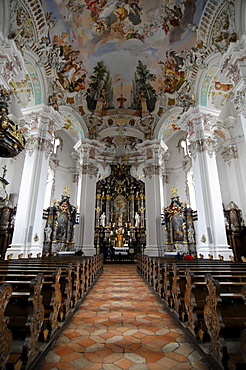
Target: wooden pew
column 64, row 285
column 6, row 338
column 224, row 315
column 25, row 311
column 184, row 291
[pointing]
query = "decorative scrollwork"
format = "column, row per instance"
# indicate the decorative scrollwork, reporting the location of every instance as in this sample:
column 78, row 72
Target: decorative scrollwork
column 56, row 300
column 176, row 289
column 212, row 317
column 166, row 283
column 35, row 319
column 5, row 334
column 189, row 300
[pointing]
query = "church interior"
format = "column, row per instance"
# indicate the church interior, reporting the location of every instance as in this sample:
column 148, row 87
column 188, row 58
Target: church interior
column 122, row 146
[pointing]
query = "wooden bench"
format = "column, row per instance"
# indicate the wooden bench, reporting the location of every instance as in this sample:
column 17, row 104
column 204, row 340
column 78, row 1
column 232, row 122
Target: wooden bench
column 64, row 284
column 25, row 312
column 184, row 291
column 6, row 337
column 224, row 315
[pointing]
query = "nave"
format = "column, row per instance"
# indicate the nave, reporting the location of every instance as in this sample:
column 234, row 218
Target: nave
column 122, row 325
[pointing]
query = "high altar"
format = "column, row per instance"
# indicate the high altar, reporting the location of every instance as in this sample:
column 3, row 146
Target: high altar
column 120, row 213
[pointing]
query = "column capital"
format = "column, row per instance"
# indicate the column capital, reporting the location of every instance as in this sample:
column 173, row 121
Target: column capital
column 11, row 61
column 42, row 118
column 239, row 98
column 89, row 151
column 200, row 120
column 152, row 169
column 205, row 144
column 89, row 169
column 153, row 152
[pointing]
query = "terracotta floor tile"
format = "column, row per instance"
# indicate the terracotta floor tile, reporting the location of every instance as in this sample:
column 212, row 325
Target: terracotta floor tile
column 72, row 335
column 70, row 357
column 124, row 363
column 144, row 352
column 121, row 325
column 63, row 351
column 155, row 366
column 93, row 357
column 104, row 352
column 111, row 359
column 76, row 347
column 154, row 357
column 86, row 343
column 176, row 356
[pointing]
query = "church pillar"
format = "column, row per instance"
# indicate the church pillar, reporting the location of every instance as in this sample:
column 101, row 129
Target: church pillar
column 28, row 231
column 210, row 227
column 152, row 151
column 88, row 150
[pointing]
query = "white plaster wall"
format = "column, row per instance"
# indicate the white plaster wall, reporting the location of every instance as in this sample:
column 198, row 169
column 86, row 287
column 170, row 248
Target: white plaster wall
column 224, row 176
column 13, row 175
column 65, row 169
column 174, row 168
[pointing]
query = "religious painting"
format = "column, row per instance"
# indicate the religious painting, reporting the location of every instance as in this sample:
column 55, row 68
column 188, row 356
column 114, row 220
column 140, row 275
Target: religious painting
column 178, row 227
column 62, row 225
column 120, row 208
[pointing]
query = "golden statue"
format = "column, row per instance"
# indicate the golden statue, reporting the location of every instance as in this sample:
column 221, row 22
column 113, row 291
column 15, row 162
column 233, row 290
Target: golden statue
column 120, row 237
column 174, row 191
column 66, row 191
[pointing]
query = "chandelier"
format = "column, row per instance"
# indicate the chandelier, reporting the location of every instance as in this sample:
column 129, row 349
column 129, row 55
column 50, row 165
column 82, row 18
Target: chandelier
column 12, row 141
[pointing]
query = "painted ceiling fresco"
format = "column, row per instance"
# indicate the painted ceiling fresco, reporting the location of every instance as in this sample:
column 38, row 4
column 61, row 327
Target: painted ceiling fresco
column 122, row 34
column 124, row 68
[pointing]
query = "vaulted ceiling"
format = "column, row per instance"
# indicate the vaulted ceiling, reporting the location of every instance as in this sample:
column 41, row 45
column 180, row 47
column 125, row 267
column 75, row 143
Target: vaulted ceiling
column 124, row 71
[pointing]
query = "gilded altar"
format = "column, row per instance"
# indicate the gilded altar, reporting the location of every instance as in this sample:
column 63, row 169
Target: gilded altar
column 120, row 200
column 60, row 224
column 178, row 220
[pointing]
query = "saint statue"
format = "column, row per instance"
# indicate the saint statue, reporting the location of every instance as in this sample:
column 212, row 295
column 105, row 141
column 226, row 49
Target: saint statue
column 137, row 220
column 48, row 231
column 103, row 219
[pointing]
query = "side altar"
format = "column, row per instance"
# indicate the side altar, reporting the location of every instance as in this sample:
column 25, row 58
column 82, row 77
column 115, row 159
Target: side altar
column 60, row 224
column 7, row 217
column 178, row 220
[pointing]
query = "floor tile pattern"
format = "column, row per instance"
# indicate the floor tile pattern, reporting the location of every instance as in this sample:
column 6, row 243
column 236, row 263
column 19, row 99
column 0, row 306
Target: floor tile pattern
column 122, row 325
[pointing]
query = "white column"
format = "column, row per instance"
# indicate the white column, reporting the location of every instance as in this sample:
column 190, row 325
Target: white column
column 88, row 150
column 153, row 212
column 153, row 151
column 28, row 231
column 210, row 227
column 87, row 209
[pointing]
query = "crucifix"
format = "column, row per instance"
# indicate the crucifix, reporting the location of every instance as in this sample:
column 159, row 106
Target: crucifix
column 4, row 171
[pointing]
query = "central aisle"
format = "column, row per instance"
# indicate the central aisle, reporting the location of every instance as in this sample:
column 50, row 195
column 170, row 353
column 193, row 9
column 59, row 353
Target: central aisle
column 121, row 325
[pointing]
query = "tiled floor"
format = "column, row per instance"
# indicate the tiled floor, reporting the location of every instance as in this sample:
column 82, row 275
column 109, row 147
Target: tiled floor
column 121, row 325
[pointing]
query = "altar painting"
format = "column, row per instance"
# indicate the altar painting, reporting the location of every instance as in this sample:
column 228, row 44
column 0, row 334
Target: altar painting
column 120, row 208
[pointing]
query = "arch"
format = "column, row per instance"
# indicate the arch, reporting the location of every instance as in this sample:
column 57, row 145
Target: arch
column 74, row 125
column 168, row 124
